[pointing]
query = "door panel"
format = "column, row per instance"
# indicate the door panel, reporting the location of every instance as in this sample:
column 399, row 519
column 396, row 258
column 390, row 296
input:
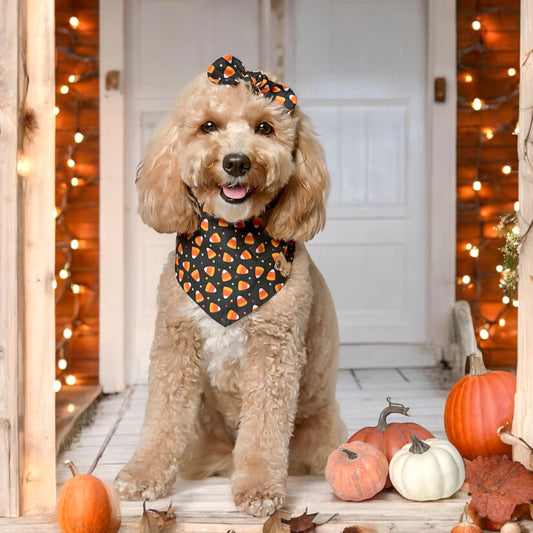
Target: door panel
column 358, row 68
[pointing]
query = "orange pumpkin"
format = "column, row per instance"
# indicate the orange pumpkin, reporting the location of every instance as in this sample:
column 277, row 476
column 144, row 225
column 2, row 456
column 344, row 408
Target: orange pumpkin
column 87, row 505
column 356, row 471
column 464, row 527
column 478, row 404
column 389, row 438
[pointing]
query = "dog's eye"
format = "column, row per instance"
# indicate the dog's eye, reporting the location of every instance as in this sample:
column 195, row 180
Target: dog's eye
column 209, row 127
column 264, row 129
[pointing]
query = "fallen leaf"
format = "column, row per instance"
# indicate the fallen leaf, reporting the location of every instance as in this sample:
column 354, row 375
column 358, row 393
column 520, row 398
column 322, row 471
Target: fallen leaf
column 501, row 489
column 352, row 529
column 153, row 521
column 275, row 523
column 302, row 524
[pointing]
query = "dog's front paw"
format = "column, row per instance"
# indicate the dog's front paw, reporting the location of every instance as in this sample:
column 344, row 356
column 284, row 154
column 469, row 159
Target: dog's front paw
column 259, row 503
column 134, row 486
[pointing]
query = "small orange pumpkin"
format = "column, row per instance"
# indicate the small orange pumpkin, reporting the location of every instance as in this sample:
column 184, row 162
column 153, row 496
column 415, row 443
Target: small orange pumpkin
column 356, row 471
column 477, row 405
column 87, row 505
column 389, row 438
column 464, row 527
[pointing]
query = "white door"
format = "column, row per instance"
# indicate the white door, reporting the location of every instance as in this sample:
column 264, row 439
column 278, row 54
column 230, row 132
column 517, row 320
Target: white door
column 360, row 69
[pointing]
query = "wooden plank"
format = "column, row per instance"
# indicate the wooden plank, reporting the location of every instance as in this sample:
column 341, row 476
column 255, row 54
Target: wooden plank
column 38, row 476
column 9, row 232
column 112, row 208
column 523, row 414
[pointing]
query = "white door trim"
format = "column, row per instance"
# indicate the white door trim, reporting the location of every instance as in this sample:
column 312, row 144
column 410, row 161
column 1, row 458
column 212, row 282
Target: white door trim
column 442, row 135
column 112, row 332
column 441, row 169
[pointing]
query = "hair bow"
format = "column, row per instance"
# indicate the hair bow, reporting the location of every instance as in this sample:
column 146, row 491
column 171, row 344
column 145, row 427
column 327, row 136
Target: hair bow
column 228, row 70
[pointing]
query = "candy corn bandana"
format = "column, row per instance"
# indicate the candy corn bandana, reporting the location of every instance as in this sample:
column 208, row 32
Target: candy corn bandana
column 229, row 270
column 228, row 70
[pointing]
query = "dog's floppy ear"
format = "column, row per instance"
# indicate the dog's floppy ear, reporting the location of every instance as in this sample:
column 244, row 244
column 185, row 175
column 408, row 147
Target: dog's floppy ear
column 300, row 211
column 164, row 201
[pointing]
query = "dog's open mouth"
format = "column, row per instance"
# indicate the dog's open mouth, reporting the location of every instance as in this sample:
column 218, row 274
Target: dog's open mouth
column 235, row 195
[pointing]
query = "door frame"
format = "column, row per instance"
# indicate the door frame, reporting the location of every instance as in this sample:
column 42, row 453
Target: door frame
column 441, row 128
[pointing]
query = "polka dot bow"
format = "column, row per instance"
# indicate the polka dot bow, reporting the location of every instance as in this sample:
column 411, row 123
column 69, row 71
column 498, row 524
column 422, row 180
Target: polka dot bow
column 228, row 70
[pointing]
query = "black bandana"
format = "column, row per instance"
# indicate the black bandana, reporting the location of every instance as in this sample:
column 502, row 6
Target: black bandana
column 228, row 70
column 229, row 270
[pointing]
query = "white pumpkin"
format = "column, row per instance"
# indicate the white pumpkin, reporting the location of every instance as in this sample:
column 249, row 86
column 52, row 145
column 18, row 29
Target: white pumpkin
column 427, row 470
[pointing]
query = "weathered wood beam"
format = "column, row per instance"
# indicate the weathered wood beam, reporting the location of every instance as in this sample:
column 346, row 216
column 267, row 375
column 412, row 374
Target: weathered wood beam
column 523, row 414
column 9, row 232
column 37, row 181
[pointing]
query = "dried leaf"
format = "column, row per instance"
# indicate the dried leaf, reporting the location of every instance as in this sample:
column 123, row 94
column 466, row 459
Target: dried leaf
column 352, row 529
column 153, row 521
column 302, row 523
column 322, row 518
column 278, row 522
column 499, row 488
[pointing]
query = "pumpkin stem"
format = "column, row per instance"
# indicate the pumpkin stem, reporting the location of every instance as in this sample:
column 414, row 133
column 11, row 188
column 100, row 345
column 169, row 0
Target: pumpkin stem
column 72, row 467
column 476, row 364
column 391, row 408
column 351, row 455
column 418, row 446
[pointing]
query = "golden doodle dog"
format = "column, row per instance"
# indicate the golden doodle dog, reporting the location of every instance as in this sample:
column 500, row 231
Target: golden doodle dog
column 244, row 360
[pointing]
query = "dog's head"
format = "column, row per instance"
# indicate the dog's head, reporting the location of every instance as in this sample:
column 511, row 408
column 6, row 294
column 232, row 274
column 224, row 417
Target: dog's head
column 236, row 153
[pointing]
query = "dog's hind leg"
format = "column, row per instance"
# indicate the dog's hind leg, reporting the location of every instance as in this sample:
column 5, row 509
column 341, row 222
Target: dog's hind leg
column 314, row 439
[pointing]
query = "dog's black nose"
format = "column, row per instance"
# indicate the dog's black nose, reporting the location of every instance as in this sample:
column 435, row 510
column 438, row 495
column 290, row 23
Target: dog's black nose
column 236, row 164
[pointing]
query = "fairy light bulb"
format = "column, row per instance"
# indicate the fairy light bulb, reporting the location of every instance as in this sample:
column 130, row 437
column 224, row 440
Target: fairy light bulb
column 499, row 268
column 484, row 334
column 78, row 137
column 57, row 385
column 501, row 322
column 71, row 407
column 72, row 78
column 74, row 21
column 476, row 25
column 476, row 185
column 506, row 300
column 67, row 333
column 54, row 284
column 74, row 181
column 70, row 379
column 468, row 246
column 511, row 72
column 506, row 169
column 64, row 273
column 489, row 133
column 517, row 206
column 515, row 303
column 56, row 111
column 474, row 251
column 62, row 364
column 74, row 244
column 75, row 288
column 23, row 165
column 477, row 104
column 469, row 78
column 516, row 130
column 516, row 229
column 64, row 89
column 71, row 163
column 466, row 279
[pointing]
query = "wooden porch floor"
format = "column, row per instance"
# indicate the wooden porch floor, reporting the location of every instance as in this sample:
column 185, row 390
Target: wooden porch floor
column 206, row 505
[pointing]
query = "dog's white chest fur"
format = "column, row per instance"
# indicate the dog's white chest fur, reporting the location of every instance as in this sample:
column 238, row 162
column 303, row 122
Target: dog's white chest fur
column 223, row 347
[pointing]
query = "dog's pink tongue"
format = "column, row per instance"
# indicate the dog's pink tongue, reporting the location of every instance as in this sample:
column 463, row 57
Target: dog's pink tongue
column 235, row 193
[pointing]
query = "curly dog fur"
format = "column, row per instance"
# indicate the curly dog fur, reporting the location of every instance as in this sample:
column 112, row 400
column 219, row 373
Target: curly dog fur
column 254, row 400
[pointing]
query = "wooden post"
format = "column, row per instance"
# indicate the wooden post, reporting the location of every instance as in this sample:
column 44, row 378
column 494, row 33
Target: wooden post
column 523, row 414
column 37, row 181
column 9, row 232
column 112, row 209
